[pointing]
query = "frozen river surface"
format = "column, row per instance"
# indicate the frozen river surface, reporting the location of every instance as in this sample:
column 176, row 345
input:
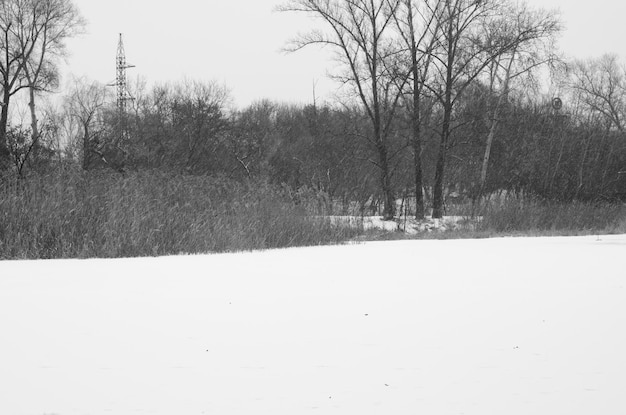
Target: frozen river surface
column 474, row 327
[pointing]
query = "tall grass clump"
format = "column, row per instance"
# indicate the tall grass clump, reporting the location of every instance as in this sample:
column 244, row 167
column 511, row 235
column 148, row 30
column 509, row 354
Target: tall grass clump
column 517, row 215
column 71, row 214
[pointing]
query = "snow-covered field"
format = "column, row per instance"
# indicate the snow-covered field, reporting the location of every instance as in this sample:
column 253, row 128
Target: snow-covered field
column 475, row 327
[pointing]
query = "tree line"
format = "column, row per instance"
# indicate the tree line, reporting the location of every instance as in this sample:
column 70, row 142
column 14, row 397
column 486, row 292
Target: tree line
column 440, row 99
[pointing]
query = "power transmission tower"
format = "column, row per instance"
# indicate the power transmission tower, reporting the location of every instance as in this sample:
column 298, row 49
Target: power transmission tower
column 122, row 89
column 122, row 93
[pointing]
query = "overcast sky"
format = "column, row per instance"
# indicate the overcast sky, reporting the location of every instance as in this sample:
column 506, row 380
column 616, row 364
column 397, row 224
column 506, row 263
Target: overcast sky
column 239, row 43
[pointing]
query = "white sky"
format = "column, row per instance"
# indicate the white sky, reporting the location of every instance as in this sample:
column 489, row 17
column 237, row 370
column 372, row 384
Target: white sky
column 239, row 43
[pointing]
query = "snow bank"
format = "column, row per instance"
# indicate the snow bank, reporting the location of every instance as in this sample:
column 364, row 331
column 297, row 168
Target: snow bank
column 367, row 222
column 404, row 224
column 496, row 326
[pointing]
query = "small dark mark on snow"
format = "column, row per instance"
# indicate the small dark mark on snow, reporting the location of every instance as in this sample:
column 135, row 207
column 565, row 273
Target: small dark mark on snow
column 516, row 347
column 386, row 384
column 367, row 314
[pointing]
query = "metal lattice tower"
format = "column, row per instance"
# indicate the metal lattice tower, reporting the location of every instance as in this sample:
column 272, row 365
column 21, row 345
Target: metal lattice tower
column 120, row 81
column 122, row 97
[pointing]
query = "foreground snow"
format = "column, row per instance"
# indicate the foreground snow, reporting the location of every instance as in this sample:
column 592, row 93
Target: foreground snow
column 499, row 326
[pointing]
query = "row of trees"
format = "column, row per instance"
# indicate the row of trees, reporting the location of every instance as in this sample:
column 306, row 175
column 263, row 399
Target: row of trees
column 190, row 127
column 441, row 98
column 424, row 53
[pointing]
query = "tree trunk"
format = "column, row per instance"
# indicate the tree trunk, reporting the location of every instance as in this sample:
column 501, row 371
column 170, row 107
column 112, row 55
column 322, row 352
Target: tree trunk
column 33, row 116
column 416, row 121
column 488, row 144
column 34, row 124
column 494, row 124
column 438, row 202
column 438, row 188
column 86, row 149
column 417, row 143
column 389, row 209
column 419, row 185
column 447, row 104
column 581, row 168
column 5, row 155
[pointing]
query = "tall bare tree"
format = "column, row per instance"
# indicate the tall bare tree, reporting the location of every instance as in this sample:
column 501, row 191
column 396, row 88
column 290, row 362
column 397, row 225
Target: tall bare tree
column 360, row 32
column 464, row 49
column 11, row 68
column 86, row 104
column 417, row 23
column 32, row 32
column 531, row 34
column 601, row 85
column 53, row 22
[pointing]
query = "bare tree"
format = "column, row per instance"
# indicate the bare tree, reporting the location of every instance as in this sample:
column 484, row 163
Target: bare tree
column 52, row 22
column 180, row 125
column 86, row 103
column 601, row 85
column 31, row 33
column 19, row 147
column 11, row 67
column 531, row 35
column 461, row 54
column 360, row 33
column 417, row 22
column 199, row 121
column 464, row 49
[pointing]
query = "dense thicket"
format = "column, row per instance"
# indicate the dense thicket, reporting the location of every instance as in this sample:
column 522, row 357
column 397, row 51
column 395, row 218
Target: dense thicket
column 556, row 155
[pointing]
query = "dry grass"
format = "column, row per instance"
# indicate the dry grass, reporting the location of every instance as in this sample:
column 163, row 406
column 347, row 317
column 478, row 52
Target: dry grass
column 536, row 217
column 519, row 217
column 72, row 214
